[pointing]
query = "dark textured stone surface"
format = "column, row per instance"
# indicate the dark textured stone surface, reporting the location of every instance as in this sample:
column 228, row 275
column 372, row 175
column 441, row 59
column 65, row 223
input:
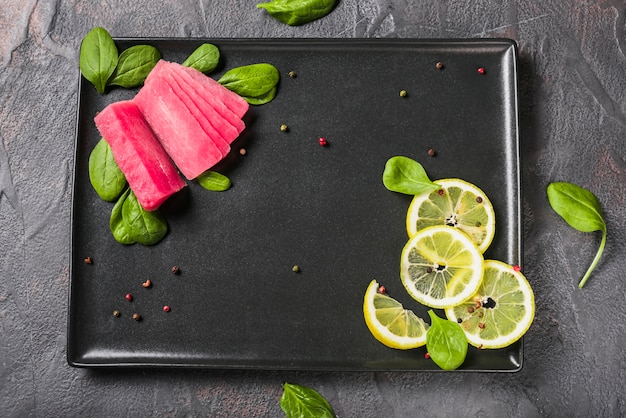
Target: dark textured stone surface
column 573, row 117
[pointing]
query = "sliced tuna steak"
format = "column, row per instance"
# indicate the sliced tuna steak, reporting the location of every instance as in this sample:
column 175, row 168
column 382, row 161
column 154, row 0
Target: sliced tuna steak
column 227, row 123
column 209, row 95
column 232, row 100
column 192, row 150
column 149, row 171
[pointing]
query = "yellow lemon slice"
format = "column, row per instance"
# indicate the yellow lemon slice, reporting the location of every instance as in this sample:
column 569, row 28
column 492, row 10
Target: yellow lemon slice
column 500, row 312
column 390, row 323
column 441, row 266
column 459, row 204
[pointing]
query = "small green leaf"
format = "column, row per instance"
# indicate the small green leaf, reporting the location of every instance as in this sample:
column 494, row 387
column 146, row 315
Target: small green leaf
column 250, row 81
column 404, row 175
column 98, row 57
column 214, row 181
column 134, row 65
column 302, row 402
column 104, row 174
column 582, row 211
column 297, row 12
column 204, row 59
column 446, row 342
column 146, row 228
column 119, row 228
column 261, row 100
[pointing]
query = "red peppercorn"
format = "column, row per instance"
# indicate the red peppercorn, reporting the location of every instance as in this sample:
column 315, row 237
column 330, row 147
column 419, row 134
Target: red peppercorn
column 166, row 308
column 481, row 70
column 479, row 199
column 129, row 297
column 517, row 268
column 427, row 355
column 322, row 141
column 481, row 325
column 440, row 191
column 382, row 289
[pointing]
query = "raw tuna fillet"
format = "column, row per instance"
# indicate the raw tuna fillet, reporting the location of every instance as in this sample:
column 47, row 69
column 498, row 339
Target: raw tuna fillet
column 192, row 150
column 211, row 94
column 232, row 100
column 147, row 167
column 201, row 112
column 224, row 120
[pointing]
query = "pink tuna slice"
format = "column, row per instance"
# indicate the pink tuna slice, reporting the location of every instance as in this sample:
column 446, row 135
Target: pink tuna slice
column 147, row 167
column 232, row 100
column 224, row 120
column 192, row 150
column 209, row 120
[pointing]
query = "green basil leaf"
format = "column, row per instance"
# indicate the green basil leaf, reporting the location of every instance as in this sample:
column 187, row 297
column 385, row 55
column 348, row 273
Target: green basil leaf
column 134, row 65
column 404, row 175
column 261, row 100
column 302, row 402
column 577, row 206
column 582, row 211
column 104, row 174
column 214, row 181
column 146, row 228
column 297, row 12
column 98, row 57
column 253, row 80
column 446, row 342
column 204, row 59
column 119, row 228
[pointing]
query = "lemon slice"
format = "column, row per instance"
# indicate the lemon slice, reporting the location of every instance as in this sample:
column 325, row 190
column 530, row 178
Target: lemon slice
column 441, row 266
column 390, row 323
column 500, row 312
column 459, row 204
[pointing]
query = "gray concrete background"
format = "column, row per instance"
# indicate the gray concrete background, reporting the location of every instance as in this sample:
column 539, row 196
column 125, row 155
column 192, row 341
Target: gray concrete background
column 573, row 120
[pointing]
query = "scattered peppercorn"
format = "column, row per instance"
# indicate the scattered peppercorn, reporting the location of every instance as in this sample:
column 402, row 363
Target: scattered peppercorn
column 175, row 270
column 470, row 309
column 403, row 93
column 478, row 224
column 517, row 268
column 166, row 308
column 322, row 141
column 295, row 269
column 129, row 297
column 432, row 152
column 429, row 270
column 292, row 74
column 439, row 65
column 440, row 192
column 481, row 325
column 116, row 313
column 136, row 317
column 382, row 289
column 480, row 314
column 459, row 320
column 242, row 151
column 284, row 128
column 481, row 70
column 88, row 260
column 479, row 199
column 427, row 355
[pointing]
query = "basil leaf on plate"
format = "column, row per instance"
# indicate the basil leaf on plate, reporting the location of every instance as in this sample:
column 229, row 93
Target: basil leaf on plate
column 297, row 12
column 104, row 174
column 446, row 342
column 302, row 402
column 204, row 59
column 251, row 81
column 146, row 228
column 98, row 57
column 134, row 65
column 119, row 228
column 404, row 175
column 214, row 181
column 582, row 211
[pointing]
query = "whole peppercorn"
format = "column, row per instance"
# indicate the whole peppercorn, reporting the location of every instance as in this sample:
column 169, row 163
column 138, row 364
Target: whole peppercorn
column 403, row 93
column 439, row 65
column 323, row 142
column 129, row 297
column 166, row 308
column 88, row 260
column 136, row 317
column 295, row 269
column 175, row 270
column 284, row 128
column 116, row 313
column 431, row 152
column 292, row 74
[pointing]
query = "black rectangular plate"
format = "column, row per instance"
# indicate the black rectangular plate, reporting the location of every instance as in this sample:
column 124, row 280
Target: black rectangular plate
column 237, row 303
